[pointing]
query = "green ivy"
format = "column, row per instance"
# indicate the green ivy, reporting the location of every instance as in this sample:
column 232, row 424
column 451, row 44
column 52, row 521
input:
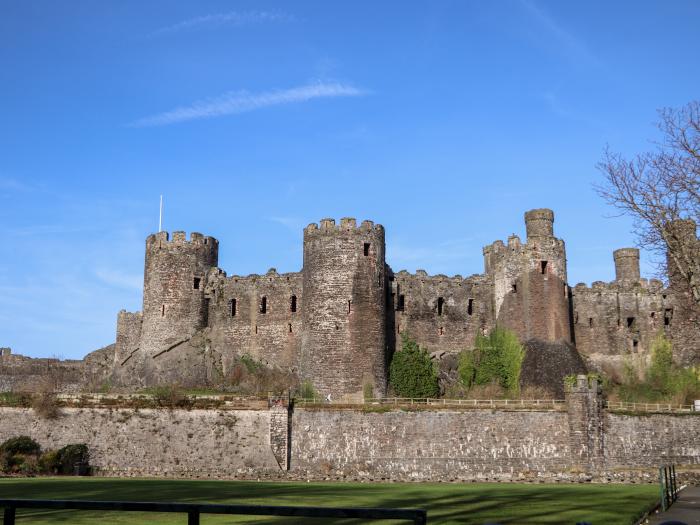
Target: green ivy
column 497, row 358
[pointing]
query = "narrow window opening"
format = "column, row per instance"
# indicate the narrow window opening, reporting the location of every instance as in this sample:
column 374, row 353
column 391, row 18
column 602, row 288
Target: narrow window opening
column 440, row 303
column 398, row 328
column 635, row 345
column 232, row 308
column 290, row 327
column 576, row 318
column 630, row 322
column 543, row 267
column 402, row 303
column 162, row 311
column 653, row 315
column 515, row 288
column 590, row 322
column 668, row 315
column 293, row 304
column 256, row 329
column 619, row 323
column 349, row 306
column 195, row 285
column 263, row 305
column 366, row 249
column 470, row 307
column 442, row 331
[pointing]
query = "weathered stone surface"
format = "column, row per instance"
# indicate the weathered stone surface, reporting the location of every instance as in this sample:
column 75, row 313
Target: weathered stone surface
column 127, row 442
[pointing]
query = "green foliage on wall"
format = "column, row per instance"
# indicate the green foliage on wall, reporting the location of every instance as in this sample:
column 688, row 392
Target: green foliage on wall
column 662, row 379
column 496, row 358
column 412, row 373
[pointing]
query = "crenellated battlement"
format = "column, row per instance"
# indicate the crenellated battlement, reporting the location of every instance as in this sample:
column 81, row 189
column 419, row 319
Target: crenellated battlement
column 346, row 224
column 179, row 238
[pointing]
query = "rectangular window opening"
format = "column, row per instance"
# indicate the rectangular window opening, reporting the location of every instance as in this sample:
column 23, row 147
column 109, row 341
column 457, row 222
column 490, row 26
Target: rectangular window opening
column 162, row 311
column 232, row 308
column 440, row 303
column 470, row 307
column 263, row 305
column 630, row 322
column 293, row 303
column 635, row 345
column 366, row 249
column 543, row 267
column 197, row 280
column 668, row 315
column 442, row 331
column 576, row 318
column 349, row 306
column 514, row 288
column 590, row 322
column 290, row 328
column 401, row 305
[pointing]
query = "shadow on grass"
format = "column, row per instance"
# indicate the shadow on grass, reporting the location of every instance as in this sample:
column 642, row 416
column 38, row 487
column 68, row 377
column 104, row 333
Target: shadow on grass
column 445, row 503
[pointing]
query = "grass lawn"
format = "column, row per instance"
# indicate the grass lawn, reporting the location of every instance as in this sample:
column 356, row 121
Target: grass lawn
column 445, row 503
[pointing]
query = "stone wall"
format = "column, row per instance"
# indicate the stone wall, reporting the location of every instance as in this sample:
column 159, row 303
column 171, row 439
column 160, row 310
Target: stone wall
column 240, row 324
column 430, row 445
column 441, row 313
column 127, row 442
column 655, row 439
column 581, row 443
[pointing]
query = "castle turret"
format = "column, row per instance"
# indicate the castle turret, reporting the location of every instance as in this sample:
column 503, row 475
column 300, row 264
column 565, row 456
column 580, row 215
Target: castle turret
column 344, row 317
column 539, row 223
column 530, row 284
column 626, row 264
column 174, row 306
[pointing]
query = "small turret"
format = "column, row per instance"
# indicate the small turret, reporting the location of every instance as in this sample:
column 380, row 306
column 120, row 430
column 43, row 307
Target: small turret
column 539, row 223
column 626, row 264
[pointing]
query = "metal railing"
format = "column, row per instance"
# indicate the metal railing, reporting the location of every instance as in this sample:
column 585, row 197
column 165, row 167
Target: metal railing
column 647, row 407
column 437, row 402
column 194, row 510
column 668, row 485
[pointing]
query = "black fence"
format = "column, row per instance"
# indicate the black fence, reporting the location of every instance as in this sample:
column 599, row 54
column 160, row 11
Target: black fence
column 194, row 510
column 668, row 485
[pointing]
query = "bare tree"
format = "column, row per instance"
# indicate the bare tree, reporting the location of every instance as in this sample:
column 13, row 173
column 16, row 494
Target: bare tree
column 660, row 190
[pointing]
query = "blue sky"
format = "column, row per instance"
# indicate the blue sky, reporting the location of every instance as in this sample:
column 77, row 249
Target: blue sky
column 444, row 121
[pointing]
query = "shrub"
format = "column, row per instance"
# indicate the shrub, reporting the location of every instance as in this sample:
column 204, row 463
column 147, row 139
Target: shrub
column 20, row 445
column 72, row 456
column 170, row 396
column 307, row 390
column 412, row 372
column 45, row 404
column 496, row 358
column 661, row 380
column 49, row 462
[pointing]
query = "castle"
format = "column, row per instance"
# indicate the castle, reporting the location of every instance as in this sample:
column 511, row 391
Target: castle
column 337, row 322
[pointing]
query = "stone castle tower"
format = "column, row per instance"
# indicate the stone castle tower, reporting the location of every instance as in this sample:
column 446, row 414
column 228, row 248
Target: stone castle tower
column 344, row 320
column 337, row 322
column 531, row 294
column 174, row 305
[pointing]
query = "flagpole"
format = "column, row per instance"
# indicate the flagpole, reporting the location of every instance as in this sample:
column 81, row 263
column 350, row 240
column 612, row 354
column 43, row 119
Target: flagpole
column 160, row 216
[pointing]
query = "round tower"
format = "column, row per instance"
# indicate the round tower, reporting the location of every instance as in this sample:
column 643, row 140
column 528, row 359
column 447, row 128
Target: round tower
column 530, row 284
column 174, row 306
column 626, row 264
column 344, row 316
column 539, row 223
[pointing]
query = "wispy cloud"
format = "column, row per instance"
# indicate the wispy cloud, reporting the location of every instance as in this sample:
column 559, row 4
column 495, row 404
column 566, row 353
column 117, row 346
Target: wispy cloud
column 233, row 18
column 235, row 102
column 291, row 223
column 567, row 42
